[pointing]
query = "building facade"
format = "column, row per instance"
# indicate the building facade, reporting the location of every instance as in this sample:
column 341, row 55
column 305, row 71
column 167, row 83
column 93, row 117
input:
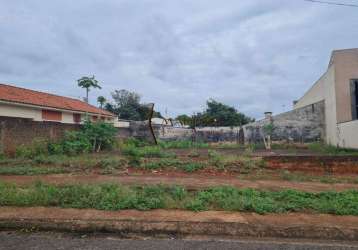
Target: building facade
column 338, row 89
column 39, row 106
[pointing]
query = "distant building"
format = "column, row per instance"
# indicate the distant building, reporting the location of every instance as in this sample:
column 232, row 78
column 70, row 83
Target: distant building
column 40, row 106
column 338, row 88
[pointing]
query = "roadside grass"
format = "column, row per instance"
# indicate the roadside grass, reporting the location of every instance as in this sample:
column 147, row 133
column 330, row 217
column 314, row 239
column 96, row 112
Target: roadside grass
column 146, row 151
column 115, row 197
column 182, row 144
column 331, row 150
column 240, row 163
column 30, row 170
column 105, row 163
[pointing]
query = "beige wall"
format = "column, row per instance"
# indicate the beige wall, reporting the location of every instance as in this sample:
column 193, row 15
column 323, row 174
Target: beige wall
column 324, row 89
column 346, row 64
column 35, row 113
column 20, row 111
column 348, row 134
column 316, row 92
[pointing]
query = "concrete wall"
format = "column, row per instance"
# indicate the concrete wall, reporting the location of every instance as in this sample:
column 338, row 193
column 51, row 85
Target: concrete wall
column 348, row 134
column 346, row 64
column 304, row 124
column 334, row 88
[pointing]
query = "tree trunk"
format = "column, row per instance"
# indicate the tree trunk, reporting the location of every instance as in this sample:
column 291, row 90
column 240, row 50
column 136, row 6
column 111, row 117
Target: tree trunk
column 87, row 90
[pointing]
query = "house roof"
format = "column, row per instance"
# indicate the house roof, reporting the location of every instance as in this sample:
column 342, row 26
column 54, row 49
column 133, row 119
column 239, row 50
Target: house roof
column 26, row 96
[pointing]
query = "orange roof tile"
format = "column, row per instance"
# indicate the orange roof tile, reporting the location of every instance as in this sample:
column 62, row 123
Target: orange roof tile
column 26, row 96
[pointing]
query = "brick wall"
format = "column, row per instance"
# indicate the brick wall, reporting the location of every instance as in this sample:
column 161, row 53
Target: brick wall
column 21, row 131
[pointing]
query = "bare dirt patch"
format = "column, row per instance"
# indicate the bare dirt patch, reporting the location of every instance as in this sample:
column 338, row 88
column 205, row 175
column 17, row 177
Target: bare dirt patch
column 190, row 182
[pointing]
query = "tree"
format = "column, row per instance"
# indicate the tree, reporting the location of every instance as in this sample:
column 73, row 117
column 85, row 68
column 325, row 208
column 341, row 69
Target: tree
column 185, row 119
column 127, row 106
column 216, row 114
column 101, row 100
column 267, row 134
column 88, row 83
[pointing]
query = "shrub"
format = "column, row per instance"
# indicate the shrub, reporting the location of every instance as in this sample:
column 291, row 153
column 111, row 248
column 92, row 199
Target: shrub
column 37, row 147
column 101, row 135
column 194, row 154
column 193, row 166
column 182, row 144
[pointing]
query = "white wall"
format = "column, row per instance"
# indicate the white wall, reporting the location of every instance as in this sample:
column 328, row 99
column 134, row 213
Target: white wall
column 348, row 134
column 20, row 111
column 23, row 111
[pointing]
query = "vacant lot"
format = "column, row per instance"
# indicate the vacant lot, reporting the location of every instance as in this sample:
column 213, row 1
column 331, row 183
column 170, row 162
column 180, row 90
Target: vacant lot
column 186, row 175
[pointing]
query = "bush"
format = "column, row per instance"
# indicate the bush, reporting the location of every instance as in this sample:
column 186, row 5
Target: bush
column 37, row 147
column 101, row 135
column 92, row 137
column 182, row 144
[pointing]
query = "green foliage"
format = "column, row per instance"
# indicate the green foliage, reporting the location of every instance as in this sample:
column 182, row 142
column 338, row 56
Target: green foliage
column 182, row 144
column 88, row 83
column 37, row 147
column 75, row 142
column 192, row 166
column 162, row 163
column 241, row 163
column 92, row 137
column 146, row 151
column 100, row 134
column 194, row 154
column 217, row 114
column 115, row 197
column 185, row 119
column 127, row 105
column 330, row 150
column 101, row 100
column 30, row 170
column 268, row 128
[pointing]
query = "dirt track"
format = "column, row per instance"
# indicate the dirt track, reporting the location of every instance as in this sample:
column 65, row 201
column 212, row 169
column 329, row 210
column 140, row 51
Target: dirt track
column 195, row 182
column 177, row 222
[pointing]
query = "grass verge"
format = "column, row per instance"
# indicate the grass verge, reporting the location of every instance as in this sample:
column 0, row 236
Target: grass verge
column 115, row 197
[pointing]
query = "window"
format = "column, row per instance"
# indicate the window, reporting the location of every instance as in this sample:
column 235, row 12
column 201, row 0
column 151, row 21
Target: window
column 77, row 118
column 354, row 94
column 94, row 118
column 50, row 115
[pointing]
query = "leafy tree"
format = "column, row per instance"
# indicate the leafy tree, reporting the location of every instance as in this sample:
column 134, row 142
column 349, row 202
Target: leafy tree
column 88, row 83
column 101, row 100
column 100, row 134
column 127, row 105
column 217, row 114
column 185, row 119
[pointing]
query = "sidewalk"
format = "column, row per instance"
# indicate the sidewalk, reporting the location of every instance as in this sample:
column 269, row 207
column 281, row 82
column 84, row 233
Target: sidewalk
column 174, row 222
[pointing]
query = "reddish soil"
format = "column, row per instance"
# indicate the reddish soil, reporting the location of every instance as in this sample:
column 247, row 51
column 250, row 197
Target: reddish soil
column 177, row 222
column 192, row 182
column 315, row 164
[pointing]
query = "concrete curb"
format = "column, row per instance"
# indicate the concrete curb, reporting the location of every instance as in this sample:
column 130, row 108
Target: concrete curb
column 181, row 223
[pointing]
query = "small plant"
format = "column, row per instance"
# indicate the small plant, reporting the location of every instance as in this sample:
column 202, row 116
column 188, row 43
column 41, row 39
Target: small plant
column 192, row 166
column 194, row 154
column 267, row 134
column 182, row 144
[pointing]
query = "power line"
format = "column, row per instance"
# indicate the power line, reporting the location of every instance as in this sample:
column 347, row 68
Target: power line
column 333, row 3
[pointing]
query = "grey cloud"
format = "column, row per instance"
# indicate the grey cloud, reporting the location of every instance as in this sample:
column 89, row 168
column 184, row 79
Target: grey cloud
column 254, row 55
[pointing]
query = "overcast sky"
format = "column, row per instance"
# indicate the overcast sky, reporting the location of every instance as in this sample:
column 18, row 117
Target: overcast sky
column 257, row 55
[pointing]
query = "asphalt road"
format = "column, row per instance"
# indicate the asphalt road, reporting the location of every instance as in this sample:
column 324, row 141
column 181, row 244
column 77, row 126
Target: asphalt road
column 48, row 241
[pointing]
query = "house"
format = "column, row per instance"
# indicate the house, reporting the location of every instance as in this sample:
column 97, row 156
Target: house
column 39, row 106
column 338, row 89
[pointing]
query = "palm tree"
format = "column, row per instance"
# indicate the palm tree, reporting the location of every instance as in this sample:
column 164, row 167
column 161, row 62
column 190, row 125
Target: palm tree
column 101, row 100
column 87, row 83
